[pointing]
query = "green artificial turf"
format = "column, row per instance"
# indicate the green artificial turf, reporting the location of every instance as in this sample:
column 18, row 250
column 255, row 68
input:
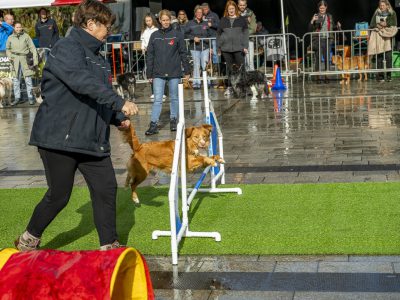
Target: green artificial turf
column 354, row 218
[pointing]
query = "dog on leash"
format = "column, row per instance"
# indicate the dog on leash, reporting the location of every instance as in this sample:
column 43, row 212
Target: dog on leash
column 243, row 80
column 126, row 84
column 6, row 86
column 158, row 155
column 351, row 63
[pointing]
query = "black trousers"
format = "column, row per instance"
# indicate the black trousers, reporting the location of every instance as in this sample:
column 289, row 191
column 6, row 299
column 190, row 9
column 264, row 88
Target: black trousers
column 380, row 58
column 321, row 48
column 60, row 168
column 232, row 58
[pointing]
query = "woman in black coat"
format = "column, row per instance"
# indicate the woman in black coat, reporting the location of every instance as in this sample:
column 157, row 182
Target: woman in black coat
column 72, row 126
column 232, row 39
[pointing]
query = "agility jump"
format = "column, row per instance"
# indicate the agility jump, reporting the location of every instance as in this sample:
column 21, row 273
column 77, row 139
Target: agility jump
column 180, row 223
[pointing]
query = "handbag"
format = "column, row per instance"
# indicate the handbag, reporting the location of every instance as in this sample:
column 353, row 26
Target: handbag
column 29, row 59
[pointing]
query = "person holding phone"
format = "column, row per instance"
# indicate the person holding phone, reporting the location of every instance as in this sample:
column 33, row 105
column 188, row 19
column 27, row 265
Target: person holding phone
column 384, row 23
column 322, row 24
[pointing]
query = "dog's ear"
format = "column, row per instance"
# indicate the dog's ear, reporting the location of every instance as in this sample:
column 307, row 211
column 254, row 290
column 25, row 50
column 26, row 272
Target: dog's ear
column 188, row 131
column 207, row 127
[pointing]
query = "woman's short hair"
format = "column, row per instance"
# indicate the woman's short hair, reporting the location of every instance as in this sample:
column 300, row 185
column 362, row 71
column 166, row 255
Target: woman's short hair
column 164, row 12
column 197, row 7
column 231, row 3
column 93, row 10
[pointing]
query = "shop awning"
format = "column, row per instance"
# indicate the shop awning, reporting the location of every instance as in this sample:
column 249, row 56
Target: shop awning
column 8, row 4
column 75, row 2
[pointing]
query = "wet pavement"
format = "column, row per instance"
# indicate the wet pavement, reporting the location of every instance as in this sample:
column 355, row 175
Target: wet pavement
column 308, row 134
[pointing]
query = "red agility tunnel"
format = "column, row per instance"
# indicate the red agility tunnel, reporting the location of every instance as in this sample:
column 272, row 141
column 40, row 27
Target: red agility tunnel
column 50, row 274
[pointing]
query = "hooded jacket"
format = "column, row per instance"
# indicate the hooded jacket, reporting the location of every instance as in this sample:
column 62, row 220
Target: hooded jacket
column 166, row 54
column 79, row 103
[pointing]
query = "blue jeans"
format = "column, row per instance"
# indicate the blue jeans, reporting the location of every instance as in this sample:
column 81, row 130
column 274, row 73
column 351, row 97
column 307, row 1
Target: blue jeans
column 158, row 87
column 200, row 58
column 215, row 57
column 17, row 85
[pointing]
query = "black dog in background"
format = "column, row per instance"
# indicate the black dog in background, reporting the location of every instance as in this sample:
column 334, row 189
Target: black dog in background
column 126, row 85
column 242, row 80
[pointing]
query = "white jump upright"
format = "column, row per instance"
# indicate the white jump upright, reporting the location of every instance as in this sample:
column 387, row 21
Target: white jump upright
column 216, row 148
column 180, row 227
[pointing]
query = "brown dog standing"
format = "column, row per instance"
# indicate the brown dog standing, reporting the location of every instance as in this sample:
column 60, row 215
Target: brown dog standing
column 158, row 155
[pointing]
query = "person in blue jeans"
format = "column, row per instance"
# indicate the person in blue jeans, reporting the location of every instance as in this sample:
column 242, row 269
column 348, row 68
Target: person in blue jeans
column 198, row 31
column 166, row 53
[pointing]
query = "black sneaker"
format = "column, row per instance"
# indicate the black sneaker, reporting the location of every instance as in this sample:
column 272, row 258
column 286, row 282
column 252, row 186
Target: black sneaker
column 153, row 129
column 172, row 124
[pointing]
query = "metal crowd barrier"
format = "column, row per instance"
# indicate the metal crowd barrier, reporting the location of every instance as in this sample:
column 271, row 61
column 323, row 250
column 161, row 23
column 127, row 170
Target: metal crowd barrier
column 301, row 57
column 322, row 49
column 268, row 50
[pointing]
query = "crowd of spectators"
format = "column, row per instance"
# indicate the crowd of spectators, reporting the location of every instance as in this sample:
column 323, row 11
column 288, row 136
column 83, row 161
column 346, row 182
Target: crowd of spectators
column 209, row 39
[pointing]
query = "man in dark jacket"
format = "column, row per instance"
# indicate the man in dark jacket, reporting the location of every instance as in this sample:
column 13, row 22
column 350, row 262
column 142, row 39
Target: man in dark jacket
column 71, row 128
column 46, row 30
column 213, row 22
column 198, row 31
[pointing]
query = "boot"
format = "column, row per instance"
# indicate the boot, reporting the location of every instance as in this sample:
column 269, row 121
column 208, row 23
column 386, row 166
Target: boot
column 27, row 242
column 114, row 245
column 152, row 129
column 172, row 124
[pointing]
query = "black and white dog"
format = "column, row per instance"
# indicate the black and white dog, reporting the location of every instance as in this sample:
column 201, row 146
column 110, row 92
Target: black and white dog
column 242, row 80
column 126, row 84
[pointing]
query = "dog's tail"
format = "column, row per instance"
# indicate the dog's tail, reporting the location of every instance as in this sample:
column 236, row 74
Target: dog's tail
column 131, row 138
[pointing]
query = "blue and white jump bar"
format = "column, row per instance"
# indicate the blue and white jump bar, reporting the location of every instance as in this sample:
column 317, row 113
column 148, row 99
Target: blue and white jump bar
column 180, row 226
column 216, row 148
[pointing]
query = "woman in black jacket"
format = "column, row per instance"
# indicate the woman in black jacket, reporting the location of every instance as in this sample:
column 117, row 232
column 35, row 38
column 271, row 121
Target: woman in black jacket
column 232, row 39
column 71, row 128
column 166, row 54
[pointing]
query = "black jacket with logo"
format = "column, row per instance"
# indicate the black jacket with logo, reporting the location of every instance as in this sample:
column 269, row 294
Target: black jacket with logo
column 166, row 54
column 47, row 33
column 198, row 29
column 79, row 103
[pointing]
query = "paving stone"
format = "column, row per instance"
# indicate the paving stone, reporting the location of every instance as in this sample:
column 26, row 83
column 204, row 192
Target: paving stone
column 355, row 267
column 242, row 295
column 182, row 294
column 344, row 296
column 236, row 266
column 306, row 267
column 374, row 258
column 303, row 258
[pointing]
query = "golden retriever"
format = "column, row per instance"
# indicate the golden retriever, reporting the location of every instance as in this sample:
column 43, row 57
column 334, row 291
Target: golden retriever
column 158, row 155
